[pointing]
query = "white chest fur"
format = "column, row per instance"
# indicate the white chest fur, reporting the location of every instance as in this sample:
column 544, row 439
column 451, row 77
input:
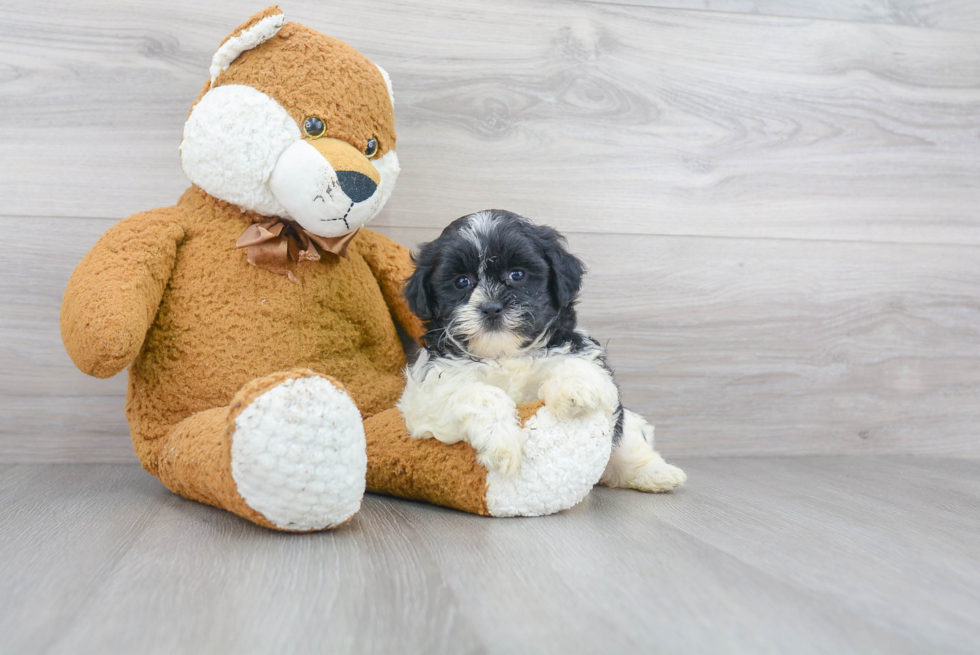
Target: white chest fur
column 445, row 397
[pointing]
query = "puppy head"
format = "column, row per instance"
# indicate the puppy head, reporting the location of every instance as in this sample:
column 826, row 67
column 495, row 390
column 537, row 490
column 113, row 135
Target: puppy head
column 493, row 283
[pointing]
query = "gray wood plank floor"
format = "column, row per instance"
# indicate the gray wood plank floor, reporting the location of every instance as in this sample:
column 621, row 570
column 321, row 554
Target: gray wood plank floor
column 816, row 554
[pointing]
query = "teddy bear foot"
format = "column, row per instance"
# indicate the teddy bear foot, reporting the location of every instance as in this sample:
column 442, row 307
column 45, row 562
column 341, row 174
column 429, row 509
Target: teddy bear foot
column 298, row 454
column 563, row 460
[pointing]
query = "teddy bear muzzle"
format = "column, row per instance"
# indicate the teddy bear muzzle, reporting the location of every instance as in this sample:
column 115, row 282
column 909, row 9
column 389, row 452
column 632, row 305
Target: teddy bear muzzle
column 328, row 186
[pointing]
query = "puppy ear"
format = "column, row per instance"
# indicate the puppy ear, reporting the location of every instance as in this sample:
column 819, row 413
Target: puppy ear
column 418, row 284
column 566, row 269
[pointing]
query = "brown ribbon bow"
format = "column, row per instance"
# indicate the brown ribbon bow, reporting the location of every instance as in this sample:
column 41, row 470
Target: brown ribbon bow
column 272, row 243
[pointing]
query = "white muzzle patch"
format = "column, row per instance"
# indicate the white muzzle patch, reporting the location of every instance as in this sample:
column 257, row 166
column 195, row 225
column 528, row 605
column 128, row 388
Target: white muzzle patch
column 469, row 323
column 305, row 183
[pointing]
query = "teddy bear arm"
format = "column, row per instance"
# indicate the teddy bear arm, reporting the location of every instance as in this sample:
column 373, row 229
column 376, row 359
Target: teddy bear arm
column 114, row 293
column 391, row 264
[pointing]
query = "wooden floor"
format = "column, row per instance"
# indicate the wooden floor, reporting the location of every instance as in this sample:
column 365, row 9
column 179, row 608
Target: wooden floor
column 807, row 554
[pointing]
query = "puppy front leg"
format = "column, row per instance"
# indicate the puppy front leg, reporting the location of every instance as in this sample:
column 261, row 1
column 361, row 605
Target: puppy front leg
column 577, row 386
column 634, row 464
column 479, row 414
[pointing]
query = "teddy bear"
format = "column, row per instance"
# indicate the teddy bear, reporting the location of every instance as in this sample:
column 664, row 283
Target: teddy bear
column 257, row 316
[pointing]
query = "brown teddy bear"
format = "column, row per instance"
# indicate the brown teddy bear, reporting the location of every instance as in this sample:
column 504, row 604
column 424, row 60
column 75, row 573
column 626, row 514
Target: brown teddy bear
column 257, row 315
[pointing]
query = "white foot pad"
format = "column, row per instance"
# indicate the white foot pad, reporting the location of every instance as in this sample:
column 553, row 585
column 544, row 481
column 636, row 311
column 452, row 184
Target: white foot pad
column 562, row 461
column 299, row 456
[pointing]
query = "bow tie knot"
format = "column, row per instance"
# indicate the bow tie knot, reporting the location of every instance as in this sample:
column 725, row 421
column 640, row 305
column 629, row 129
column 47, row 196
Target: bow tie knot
column 273, row 243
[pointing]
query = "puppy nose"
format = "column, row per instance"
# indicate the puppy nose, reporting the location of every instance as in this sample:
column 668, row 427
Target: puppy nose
column 357, row 186
column 491, row 308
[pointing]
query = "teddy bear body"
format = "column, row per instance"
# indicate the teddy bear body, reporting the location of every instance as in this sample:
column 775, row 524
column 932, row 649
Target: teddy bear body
column 168, row 292
column 222, row 323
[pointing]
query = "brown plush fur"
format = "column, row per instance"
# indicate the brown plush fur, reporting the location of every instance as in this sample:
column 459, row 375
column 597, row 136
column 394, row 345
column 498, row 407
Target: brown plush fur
column 167, row 292
column 204, row 333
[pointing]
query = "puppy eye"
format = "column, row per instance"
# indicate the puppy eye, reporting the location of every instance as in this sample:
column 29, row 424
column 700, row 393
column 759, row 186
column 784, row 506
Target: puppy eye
column 314, row 127
column 516, row 276
column 372, row 148
column 462, row 282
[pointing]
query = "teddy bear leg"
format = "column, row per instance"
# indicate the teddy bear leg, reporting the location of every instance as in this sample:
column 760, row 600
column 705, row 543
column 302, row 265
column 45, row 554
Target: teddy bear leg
column 287, row 453
column 562, row 460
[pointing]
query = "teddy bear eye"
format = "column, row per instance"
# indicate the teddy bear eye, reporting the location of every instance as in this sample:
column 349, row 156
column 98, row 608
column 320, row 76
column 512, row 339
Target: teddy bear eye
column 372, row 148
column 314, row 127
column 462, row 282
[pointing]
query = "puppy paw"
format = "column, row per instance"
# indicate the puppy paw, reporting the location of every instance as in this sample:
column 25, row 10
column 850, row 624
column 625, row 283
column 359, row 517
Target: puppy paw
column 570, row 398
column 501, row 450
column 658, row 476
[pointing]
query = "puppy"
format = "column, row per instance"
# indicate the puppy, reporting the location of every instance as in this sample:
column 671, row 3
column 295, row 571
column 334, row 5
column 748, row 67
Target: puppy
column 497, row 294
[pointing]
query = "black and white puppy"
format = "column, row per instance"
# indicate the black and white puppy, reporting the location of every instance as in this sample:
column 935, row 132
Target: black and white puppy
column 497, row 294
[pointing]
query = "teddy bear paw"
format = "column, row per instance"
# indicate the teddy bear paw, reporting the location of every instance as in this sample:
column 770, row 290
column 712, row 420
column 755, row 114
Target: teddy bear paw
column 299, row 455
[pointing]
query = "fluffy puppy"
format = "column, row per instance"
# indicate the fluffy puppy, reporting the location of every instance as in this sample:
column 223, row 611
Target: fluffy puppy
column 497, row 294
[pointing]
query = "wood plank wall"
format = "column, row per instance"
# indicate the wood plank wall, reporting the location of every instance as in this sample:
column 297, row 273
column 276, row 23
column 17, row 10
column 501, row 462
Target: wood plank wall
column 778, row 200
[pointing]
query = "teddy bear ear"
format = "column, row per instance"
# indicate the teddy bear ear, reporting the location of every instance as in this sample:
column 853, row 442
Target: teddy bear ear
column 256, row 30
column 391, row 92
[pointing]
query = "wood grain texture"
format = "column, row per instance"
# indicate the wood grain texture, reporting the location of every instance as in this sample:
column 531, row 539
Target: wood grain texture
column 803, row 555
column 615, row 118
column 93, row 574
column 943, row 14
column 755, row 196
column 730, row 346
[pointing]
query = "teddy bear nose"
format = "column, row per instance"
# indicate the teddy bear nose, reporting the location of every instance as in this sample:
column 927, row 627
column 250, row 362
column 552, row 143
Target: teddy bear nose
column 357, row 186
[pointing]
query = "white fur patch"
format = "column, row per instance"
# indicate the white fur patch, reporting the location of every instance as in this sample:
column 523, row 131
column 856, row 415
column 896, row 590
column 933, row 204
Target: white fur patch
column 476, row 401
column 635, row 464
column 477, row 228
column 306, row 185
column 562, row 462
column 299, row 455
column 495, row 343
column 464, row 409
column 432, row 389
column 232, row 141
column 259, row 33
column 468, row 323
column 389, row 168
column 391, row 92
column 576, row 385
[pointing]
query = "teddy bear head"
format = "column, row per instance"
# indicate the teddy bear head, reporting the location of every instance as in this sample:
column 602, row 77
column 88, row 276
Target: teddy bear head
column 293, row 124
